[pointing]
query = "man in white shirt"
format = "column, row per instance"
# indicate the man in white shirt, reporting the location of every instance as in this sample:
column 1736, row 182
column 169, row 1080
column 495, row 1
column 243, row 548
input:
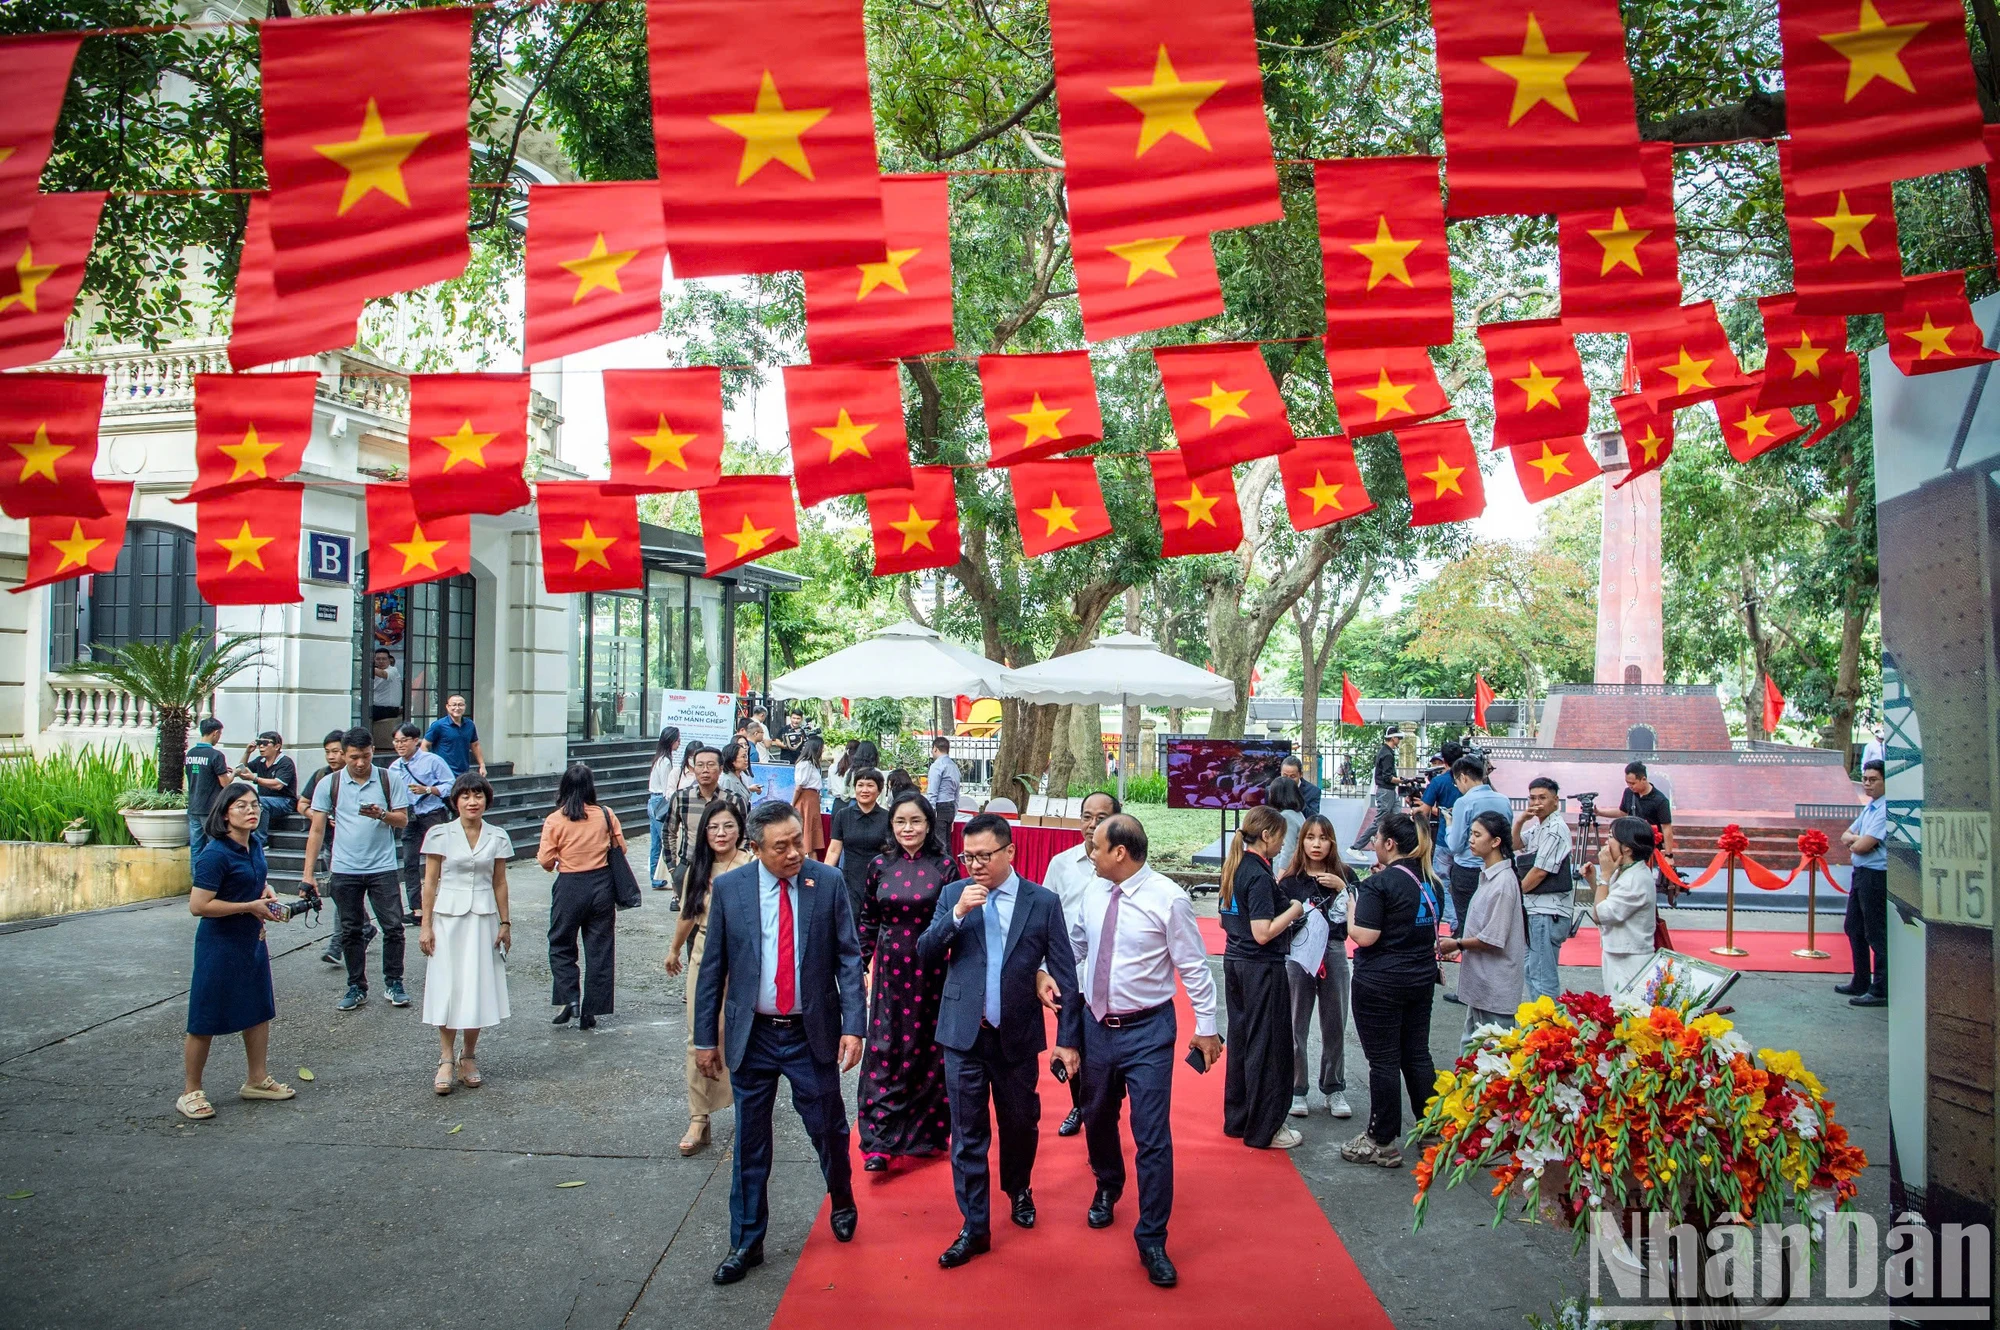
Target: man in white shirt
column 1067, row 875
column 1548, row 888
column 1134, row 929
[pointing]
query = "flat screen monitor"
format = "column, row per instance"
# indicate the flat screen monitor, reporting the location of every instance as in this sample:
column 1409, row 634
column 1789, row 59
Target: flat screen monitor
column 1221, row 773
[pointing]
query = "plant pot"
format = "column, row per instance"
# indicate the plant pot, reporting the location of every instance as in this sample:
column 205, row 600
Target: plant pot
column 77, row 839
column 158, row 828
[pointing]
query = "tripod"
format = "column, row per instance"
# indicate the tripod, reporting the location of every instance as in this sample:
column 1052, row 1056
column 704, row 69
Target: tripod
column 1588, row 842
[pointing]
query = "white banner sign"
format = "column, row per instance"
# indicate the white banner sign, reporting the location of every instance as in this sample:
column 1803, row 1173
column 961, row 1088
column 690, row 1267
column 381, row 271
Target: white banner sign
column 707, row 718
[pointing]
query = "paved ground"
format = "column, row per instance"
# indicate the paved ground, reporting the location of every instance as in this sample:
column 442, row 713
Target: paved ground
column 357, row 1205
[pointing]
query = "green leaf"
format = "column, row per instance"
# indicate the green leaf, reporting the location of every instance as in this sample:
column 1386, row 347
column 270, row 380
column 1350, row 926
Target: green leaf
column 456, row 1130
column 305, row 1073
column 19, row 1195
column 569, row 1184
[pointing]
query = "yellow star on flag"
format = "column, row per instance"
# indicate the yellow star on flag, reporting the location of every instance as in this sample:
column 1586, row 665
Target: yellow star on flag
column 373, row 160
column 751, row 538
column 664, row 446
column 76, row 549
column 1649, row 444
column 1874, row 50
column 38, row 458
column 1756, row 425
column 28, row 278
column 1551, row 464
column 1539, row 74
column 1805, row 356
column 1389, row 396
column 1323, row 494
column 1058, row 517
column 1539, row 387
column 1933, row 339
column 771, row 133
column 1199, row 507
column 843, row 436
column 1040, row 421
column 1386, row 255
column 463, row 445
column 598, row 270
column 249, row 455
column 418, row 552
column 1222, row 404
column 1621, row 243
column 5, row 153
column 1689, row 372
column 916, row 529
column 590, row 547
column 1147, row 255
column 244, row 547
column 1445, row 478
column 1840, row 401
column 1168, row 104
column 1847, row 227
column 888, row 273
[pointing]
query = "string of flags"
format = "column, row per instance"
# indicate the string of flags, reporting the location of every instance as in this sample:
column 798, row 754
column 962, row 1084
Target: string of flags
column 767, row 162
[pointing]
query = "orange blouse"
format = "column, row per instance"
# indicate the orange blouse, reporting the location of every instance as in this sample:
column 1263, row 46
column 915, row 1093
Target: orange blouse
column 581, row 846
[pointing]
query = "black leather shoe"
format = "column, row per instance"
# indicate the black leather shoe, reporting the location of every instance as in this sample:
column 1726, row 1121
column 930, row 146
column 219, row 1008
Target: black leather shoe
column 875, row 1164
column 739, row 1262
column 565, row 1016
column 968, row 1245
column 1072, row 1124
column 1869, row 999
column 1100, row 1208
column 1158, row 1268
column 843, row 1218
column 1453, row 997
column 1024, row 1207
column 587, row 1022
column 1850, row 989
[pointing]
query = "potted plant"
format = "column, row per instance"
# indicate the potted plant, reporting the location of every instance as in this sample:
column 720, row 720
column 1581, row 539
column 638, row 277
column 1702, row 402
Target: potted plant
column 157, row 819
column 77, row 833
column 176, row 678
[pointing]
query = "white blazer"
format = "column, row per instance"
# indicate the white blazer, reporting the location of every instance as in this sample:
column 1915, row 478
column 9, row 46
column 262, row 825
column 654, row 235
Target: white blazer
column 465, row 886
column 1626, row 915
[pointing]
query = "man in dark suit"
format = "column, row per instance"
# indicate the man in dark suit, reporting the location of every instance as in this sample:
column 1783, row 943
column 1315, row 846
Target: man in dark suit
column 782, row 975
column 996, row 931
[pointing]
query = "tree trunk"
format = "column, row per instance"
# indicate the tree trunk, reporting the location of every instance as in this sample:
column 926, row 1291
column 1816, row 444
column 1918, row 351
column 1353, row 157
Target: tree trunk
column 1760, row 655
column 1847, row 678
column 1086, row 739
column 173, row 748
column 1062, row 757
column 1129, row 723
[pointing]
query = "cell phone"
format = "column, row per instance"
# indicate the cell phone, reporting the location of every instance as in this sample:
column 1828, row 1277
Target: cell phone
column 1195, row 1060
column 1058, row 1070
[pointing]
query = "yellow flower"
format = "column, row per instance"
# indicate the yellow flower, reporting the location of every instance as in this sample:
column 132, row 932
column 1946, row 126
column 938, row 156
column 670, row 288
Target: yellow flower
column 1792, row 1067
column 1541, row 1009
column 1711, row 1026
column 1445, row 1080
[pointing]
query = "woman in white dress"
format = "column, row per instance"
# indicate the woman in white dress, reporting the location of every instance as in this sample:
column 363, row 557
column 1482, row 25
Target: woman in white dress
column 1625, row 891
column 465, row 930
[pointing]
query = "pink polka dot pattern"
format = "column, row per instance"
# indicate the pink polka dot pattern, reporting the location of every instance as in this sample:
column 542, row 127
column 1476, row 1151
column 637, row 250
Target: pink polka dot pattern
column 903, row 1108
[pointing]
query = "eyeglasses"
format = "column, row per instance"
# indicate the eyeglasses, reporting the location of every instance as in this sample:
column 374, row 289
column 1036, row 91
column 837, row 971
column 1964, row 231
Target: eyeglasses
column 971, row 860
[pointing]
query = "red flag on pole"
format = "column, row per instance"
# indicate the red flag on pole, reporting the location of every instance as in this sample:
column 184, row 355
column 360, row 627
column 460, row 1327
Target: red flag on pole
column 900, row 306
column 1350, row 702
column 1224, row 403
column 1774, row 705
column 249, row 428
column 594, row 256
column 1482, row 697
column 35, row 73
column 1382, row 250
column 742, row 683
column 48, row 445
column 60, row 548
column 40, row 274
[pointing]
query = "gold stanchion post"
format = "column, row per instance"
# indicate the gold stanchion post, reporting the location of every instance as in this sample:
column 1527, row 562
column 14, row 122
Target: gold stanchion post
column 1810, row 951
column 1729, row 947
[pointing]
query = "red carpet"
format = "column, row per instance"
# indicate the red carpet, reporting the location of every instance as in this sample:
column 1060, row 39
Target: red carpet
column 1231, row 1205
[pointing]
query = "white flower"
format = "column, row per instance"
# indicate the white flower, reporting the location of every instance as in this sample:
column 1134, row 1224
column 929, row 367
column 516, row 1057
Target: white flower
column 1490, row 1063
column 1805, row 1121
column 1733, row 1043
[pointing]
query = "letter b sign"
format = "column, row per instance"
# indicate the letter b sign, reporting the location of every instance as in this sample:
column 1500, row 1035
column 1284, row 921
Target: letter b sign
column 328, row 558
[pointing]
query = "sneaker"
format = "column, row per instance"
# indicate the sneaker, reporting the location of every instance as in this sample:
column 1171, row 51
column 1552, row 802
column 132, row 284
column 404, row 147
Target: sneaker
column 1299, row 1106
column 1363, row 1150
column 397, row 997
column 1286, row 1139
column 1336, row 1104
column 353, row 998
column 332, row 954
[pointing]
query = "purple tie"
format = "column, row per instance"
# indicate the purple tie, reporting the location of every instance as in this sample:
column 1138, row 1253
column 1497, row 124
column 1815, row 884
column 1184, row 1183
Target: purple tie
column 1100, row 973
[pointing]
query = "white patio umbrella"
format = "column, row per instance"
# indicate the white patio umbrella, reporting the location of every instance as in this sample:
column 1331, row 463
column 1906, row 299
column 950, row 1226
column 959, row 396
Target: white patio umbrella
column 1125, row 669
column 902, row 660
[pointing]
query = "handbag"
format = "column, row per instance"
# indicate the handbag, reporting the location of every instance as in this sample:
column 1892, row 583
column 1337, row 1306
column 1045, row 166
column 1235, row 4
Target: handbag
column 624, row 882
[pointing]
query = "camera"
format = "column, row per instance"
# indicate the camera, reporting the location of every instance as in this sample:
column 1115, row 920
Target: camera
column 307, row 902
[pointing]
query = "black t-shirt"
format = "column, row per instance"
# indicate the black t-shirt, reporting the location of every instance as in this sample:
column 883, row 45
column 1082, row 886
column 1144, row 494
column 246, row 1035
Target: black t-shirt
column 1306, row 889
column 1394, row 901
column 862, row 836
column 1653, row 806
column 1385, row 768
column 1256, row 897
column 207, row 772
column 281, row 770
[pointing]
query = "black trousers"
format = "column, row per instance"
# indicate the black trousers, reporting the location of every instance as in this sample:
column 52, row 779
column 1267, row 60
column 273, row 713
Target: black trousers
column 1136, row 1059
column 1464, row 886
column 1394, row 1026
column 353, row 893
column 970, row 1079
column 1257, row 1069
column 1868, row 927
column 581, row 904
column 413, row 855
column 774, row 1052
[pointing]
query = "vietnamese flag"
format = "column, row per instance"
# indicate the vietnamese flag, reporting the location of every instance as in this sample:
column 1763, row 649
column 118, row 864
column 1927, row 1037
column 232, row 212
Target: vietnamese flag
column 1379, row 389
column 1839, row 406
column 1550, row 467
column 1224, row 403
column 1752, row 430
column 1058, row 503
column 1322, row 482
column 1802, row 352
column 594, row 257
column 1877, row 90
column 265, row 327
column 60, row 548
column 1482, row 698
column 590, row 538
column 1621, row 265
column 468, row 443
column 1845, row 254
column 1648, row 436
column 1935, row 330
column 35, row 72
column 902, row 305
column 1538, row 386
column 765, row 136
column 1350, row 702
column 664, row 429
column 1137, row 281
column 1162, row 113
column 1774, row 705
column 246, row 545
column 1198, row 513
column 915, row 528
column 40, row 274
column 1538, row 108
column 249, row 429
column 1038, row 405
column 746, row 517
column 1442, row 471
column 367, row 150
column 1382, row 248
column 1686, row 362
column 48, row 445
column 404, row 549
column 846, row 423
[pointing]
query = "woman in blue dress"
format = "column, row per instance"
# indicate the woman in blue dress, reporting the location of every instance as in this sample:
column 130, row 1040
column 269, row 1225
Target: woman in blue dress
column 231, row 990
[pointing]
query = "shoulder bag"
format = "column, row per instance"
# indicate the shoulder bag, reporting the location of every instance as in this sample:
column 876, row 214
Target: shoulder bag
column 624, row 882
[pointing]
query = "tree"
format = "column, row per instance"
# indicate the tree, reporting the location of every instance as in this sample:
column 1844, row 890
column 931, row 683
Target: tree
column 1507, row 605
column 1319, row 619
column 177, row 679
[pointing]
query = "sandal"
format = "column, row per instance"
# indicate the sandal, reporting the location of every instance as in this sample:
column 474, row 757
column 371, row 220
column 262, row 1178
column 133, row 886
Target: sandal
column 696, row 1137
column 268, row 1088
column 443, row 1080
column 194, row 1106
column 468, row 1072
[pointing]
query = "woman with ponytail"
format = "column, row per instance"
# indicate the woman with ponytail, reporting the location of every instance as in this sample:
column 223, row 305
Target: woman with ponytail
column 1626, row 903
column 1394, row 926
column 1258, row 918
column 1492, row 941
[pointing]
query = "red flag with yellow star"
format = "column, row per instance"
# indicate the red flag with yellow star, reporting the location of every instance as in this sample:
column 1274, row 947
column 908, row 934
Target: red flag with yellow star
column 60, row 548
column 1381, row 389
column 1224, row 403
column 745, row 518
column 1038, row 405
column 1751, row 430
column 915, row 528
column 1198, row 513
column 1382, row 248
column 48, row 445
column 468, row 442
column 404, row 549
column 846, row 423
column 1322, row 482
column 1058, row 503
column 1686, row 362
column 40, row 274
column 1538, row 387
column 590, row 537
column 265, row 327
column 1538, row 108
column 765, row 136
column 1877, row 90
column 246, row 545
column 1442, row 471
column 664, row 429
column 1137, row 281
column 1549, row 467
column 1648, row 436
column 249, row 429
column 1934, row 330
column 1802, row 353
column 1621, row 266
column 1838, row 408
column 35, row 73
column 900, row 306
column 1845, row 254
column 1162, row 112
column 366, row 149
column 594, row 257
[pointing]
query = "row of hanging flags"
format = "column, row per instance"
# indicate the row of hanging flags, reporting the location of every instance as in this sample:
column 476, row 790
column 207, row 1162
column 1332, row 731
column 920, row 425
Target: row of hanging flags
column 767, row 162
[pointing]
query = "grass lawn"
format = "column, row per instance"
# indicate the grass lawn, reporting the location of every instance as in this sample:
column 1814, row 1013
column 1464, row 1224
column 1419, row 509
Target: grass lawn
column 1174, row 834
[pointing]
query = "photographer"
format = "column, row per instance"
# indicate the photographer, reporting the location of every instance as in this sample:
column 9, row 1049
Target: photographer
column 1384, row 798
column 276, row 779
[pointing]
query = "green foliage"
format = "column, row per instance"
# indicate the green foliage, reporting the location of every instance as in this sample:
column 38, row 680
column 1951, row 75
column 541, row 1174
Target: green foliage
column 1150, row 788
column 175, row 678
column 40, row 796
column 152, row 800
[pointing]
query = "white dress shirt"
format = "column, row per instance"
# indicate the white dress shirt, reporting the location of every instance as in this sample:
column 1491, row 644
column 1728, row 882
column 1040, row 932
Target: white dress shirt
column 767, row 972
column 665, row 776
column 1069, row 873
column 1157, row 935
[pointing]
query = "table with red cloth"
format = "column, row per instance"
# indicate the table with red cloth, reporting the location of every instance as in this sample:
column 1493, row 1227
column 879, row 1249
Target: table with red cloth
column 1034, row 847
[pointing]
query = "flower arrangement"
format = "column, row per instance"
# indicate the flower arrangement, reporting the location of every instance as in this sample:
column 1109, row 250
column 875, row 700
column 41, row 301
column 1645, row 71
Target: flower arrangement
column 1589, row 1107
column 1732, row 840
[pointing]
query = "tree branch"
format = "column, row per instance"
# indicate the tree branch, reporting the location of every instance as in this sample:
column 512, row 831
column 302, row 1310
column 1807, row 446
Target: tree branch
column 521, row 117
column 991, row 132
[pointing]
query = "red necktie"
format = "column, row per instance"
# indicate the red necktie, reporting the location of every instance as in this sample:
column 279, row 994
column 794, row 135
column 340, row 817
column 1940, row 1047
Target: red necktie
column 787, row 976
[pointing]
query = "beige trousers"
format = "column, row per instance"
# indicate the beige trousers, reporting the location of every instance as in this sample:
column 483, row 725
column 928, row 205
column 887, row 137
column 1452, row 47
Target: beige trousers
column 704, row 1096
